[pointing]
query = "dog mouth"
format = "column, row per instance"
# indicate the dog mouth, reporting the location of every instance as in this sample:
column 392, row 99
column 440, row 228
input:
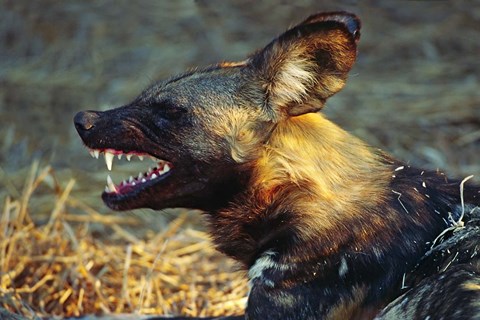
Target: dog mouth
column 158, row 171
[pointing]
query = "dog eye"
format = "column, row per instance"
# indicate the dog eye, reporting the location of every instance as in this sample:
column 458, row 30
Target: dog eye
column 173, row 113
column 169, row 111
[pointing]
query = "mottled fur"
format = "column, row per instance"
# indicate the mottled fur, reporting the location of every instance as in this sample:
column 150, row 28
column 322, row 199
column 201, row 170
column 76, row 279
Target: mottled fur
column 328, row 227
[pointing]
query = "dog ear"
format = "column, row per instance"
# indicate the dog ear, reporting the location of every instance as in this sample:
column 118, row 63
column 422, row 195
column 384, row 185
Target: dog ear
column 308, row 63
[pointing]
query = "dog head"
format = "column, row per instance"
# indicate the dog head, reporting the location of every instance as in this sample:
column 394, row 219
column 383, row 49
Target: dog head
column 204, row 128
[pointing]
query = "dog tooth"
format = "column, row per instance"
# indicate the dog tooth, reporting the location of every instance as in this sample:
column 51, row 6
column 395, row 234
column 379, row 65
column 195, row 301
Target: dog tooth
column 166, row 168
column 140, row 175
column 109, row 160
column 129, row 156
column 153, row 176
column 92, row 153
column 96, row 153
column 106, row 189
column 119, row 156
column 144, row 180
column 140, row 157
column 110, row 184
column 130, row 179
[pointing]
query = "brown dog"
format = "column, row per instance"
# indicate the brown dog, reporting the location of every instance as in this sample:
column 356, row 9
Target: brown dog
column 328, row 227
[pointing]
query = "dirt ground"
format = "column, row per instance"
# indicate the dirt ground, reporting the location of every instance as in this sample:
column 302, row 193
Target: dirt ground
column 414, row 92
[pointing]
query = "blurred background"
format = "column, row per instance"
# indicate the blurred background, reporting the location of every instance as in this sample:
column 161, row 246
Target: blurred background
column 413, row 92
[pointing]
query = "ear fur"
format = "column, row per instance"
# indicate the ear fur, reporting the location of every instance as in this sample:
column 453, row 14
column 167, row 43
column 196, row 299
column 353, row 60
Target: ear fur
column 308, row 63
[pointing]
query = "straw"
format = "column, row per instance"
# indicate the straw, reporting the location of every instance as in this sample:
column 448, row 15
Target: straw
column 65, row 268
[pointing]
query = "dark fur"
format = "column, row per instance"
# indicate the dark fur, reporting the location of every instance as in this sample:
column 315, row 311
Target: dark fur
column 333, row 238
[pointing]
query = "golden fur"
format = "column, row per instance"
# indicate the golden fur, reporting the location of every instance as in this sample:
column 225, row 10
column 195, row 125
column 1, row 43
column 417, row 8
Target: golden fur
column 336, row 172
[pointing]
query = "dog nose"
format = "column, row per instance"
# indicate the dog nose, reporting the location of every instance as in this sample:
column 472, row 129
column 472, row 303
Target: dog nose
column 85, row 120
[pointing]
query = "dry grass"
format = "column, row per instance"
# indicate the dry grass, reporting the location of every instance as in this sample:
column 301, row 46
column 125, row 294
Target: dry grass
column 64, row 266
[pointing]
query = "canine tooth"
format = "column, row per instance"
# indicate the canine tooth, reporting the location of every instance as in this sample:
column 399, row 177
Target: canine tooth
column 133, row 183
column 106, row 189
column 150, row 170
column 144, row 180
column 119, row 156
column 166, row 168
column 92, row 153
column 109, row 160
column 130, row 179
column 128, row 156
column 140, row 157
column 96, row 153
column 110, row 184
column 153, row 176
column 140, row 176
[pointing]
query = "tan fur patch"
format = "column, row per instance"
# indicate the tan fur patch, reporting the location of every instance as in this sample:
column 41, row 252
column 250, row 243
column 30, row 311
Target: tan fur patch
column 236, row 127
column 471, row 286
column 328, row 164
column 232, row 64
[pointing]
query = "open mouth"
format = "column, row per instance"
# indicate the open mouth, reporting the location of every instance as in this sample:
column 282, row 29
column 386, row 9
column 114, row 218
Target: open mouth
column 155, row 173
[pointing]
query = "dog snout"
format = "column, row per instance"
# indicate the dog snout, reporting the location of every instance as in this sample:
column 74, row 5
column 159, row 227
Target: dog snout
column 85, row 120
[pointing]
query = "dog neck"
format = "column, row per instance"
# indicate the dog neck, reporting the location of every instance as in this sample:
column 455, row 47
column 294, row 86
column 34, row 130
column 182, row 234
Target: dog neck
column 310, row 180
column 323, row 208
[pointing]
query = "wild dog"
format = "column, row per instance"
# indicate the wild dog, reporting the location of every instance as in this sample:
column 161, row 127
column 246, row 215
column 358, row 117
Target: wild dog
column 327, row 226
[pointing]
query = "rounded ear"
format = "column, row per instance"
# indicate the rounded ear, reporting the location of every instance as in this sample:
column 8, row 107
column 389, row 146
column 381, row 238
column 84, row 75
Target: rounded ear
column 307, row 64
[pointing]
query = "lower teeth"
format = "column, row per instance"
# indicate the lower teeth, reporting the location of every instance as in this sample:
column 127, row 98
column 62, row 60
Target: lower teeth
column 142, row 178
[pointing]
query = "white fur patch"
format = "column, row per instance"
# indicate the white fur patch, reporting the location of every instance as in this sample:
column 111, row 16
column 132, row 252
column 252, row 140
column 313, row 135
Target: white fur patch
column 292, row 82
column 342, row 271
column 263, row 263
